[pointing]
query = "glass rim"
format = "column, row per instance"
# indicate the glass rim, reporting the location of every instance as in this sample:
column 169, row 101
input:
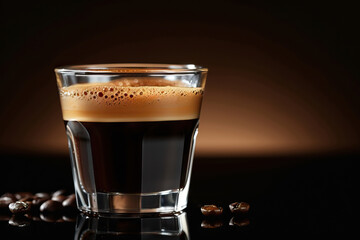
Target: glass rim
column 131, row 68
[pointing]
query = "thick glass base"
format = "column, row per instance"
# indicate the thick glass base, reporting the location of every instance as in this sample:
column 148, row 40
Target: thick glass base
column 117, row 203
column 145, row 227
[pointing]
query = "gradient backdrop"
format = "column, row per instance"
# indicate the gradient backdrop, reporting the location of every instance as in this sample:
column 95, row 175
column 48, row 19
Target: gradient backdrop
column 283, row 78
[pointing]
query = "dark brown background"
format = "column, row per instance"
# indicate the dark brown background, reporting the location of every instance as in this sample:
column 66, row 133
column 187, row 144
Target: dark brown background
column 283, row 77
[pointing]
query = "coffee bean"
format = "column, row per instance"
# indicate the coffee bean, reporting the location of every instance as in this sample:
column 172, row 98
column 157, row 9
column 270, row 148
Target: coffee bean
column 9, row 195
column 70, row 202
column 37, row 201
column 211, row 210
column 59, row 192
column 211, row 223
column 50, row 217
column 19, row 221
column 20, row 195
column 26, row 199
column 5, row 201
column 59, row 198
column 69, row 218
column 43, row 195
column 19, row 207
column 72, row 196
column 51, row 206
column 241, row 207
column 240, row 222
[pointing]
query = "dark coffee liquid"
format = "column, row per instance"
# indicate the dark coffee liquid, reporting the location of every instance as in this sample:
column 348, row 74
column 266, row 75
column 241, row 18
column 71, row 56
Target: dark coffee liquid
column 131, row 157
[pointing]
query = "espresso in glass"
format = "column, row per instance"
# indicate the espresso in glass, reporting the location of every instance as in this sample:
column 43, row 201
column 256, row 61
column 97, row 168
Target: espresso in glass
column 132, row 135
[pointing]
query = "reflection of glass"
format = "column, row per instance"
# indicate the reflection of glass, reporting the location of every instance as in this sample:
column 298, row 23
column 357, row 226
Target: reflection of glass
column 148, row 227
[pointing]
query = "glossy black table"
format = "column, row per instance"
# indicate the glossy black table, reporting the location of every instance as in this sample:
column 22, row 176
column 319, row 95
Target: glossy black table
column 288, row 196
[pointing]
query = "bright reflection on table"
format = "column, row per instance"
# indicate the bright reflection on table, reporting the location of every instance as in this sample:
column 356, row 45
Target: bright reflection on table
column 144, row 227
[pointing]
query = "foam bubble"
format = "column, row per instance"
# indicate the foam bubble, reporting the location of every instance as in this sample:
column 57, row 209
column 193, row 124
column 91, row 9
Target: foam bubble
column 130, row 100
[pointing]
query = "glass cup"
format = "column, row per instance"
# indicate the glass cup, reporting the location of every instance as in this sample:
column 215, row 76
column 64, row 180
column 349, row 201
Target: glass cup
column 131, row 132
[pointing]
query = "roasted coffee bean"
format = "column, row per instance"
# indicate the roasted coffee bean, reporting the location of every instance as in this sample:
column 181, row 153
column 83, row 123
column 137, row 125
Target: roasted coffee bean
column 19, row 221
column 50, row 217
column 240, row 222
column 51, row 206
column 59, row 198
column 20, row 195
column 239, row 207
column 211, row 210
column 26, row 199
column 72, row 196
column 19, row 207
column 37, row 201
column 59, row 192
column 43, row 195
column 70, row 202
column 5, row 201
column 211, row 223
column 69, row 218
column 9, row 195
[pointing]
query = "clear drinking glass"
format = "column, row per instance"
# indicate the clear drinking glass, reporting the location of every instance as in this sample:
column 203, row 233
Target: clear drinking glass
column 131, row 132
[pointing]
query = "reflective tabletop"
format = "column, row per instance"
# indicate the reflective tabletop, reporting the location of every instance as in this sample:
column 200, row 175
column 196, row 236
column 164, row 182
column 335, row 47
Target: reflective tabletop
column 287, row 196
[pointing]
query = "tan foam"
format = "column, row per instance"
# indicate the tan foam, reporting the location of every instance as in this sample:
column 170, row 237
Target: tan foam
column 130, row 100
